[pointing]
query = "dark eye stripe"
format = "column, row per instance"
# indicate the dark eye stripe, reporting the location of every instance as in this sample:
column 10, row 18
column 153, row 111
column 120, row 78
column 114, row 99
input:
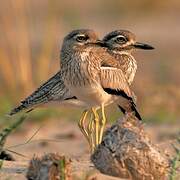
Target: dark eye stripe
column 107, row 38
column 70, row 36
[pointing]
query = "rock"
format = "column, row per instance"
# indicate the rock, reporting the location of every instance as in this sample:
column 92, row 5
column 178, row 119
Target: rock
column 127, row 152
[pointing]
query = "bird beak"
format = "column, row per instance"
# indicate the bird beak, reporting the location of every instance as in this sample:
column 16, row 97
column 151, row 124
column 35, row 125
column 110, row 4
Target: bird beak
column 139, row 45
column 101, row 43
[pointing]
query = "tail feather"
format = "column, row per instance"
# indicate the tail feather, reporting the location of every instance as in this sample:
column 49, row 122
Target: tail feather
column 132, row 109
column 52, row 89
column 122, row 109
column 17, row 109
column 136, row 112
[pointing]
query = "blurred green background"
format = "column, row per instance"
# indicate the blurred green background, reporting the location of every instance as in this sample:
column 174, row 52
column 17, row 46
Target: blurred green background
column 31, row 32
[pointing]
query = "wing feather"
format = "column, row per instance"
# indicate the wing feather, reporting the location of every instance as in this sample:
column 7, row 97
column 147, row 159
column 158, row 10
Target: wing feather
column 114, row 82
column 114, row 79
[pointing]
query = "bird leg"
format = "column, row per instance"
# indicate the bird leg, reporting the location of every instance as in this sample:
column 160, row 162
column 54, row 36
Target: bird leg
column 96, row 122
column 90, row 133
column 82, row 126
column 102, row 123
column 93, row 126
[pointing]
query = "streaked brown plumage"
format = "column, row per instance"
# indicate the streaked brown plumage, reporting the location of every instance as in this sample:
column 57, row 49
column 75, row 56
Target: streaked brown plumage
column 55, row 89
column 52, row 90
column 81, row 58
column 121, row 44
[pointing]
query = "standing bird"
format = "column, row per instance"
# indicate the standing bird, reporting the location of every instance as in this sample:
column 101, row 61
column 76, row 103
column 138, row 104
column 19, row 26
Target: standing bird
column 55, row 91
column 81, row 58
column 120, row 44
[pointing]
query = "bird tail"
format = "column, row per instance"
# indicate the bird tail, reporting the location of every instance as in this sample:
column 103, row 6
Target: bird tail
column 133, row 108
column 18, row 109
column 130, row 108
column 48, row 91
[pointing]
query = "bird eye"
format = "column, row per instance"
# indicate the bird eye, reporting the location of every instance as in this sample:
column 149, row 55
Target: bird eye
column 120, row 39
column 81, row 38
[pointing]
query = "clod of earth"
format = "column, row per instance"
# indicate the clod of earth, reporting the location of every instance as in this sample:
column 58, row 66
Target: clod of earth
column 127, row 152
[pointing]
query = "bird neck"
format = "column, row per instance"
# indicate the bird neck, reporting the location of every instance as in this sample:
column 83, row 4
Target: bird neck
column 77, row 67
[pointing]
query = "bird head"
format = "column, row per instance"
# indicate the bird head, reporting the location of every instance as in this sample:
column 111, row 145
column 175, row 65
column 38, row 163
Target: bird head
column 81, row 39
column 124, row 40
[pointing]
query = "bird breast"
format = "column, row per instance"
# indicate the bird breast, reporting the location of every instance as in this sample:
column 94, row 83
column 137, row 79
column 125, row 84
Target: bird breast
column 82, row 79
column 92, row 94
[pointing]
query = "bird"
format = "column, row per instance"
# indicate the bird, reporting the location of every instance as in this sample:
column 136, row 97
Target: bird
column 81, row 57
column 119, row 45
column 54, row 90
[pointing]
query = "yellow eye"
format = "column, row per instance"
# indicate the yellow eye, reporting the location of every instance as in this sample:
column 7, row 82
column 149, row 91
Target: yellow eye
column 81, row 38
column 121, row 39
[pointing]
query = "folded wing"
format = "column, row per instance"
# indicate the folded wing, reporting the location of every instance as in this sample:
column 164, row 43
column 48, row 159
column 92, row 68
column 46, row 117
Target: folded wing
column 114, row 82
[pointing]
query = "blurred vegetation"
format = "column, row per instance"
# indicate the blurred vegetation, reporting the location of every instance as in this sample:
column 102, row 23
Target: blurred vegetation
column 8, row 130
column 175, row 163
column 32, row 31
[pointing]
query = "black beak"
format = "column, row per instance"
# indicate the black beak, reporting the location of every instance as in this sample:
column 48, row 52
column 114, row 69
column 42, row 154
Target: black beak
column 139, row 45
column 101, row 43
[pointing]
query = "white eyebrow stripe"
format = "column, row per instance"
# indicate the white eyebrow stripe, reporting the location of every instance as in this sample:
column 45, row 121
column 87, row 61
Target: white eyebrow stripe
column 113, row 68
column 121, row 36
column 80, row 35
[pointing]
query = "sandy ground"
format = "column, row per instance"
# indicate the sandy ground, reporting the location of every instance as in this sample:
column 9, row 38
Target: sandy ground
column 65, row 138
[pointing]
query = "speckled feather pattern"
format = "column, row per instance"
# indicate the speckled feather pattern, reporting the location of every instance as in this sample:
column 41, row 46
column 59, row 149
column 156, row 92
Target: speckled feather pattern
column 55, row 90
column 75, row 72
column 127, row 64
column 124, row 61
column 81, row 74
column 88, row 75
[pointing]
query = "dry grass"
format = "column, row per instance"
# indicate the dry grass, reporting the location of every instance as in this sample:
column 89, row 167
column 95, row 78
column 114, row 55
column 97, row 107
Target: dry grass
column 20, row 67
column 7, row 131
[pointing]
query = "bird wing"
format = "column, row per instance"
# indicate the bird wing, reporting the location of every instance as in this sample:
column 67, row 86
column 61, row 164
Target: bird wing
column 52, row 90
column 114, row 82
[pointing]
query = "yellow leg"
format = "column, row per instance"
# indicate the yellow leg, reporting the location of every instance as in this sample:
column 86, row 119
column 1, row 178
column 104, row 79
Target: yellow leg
column 102, row 123
column 82, row 126
column 96, row 121
column 90, row 132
